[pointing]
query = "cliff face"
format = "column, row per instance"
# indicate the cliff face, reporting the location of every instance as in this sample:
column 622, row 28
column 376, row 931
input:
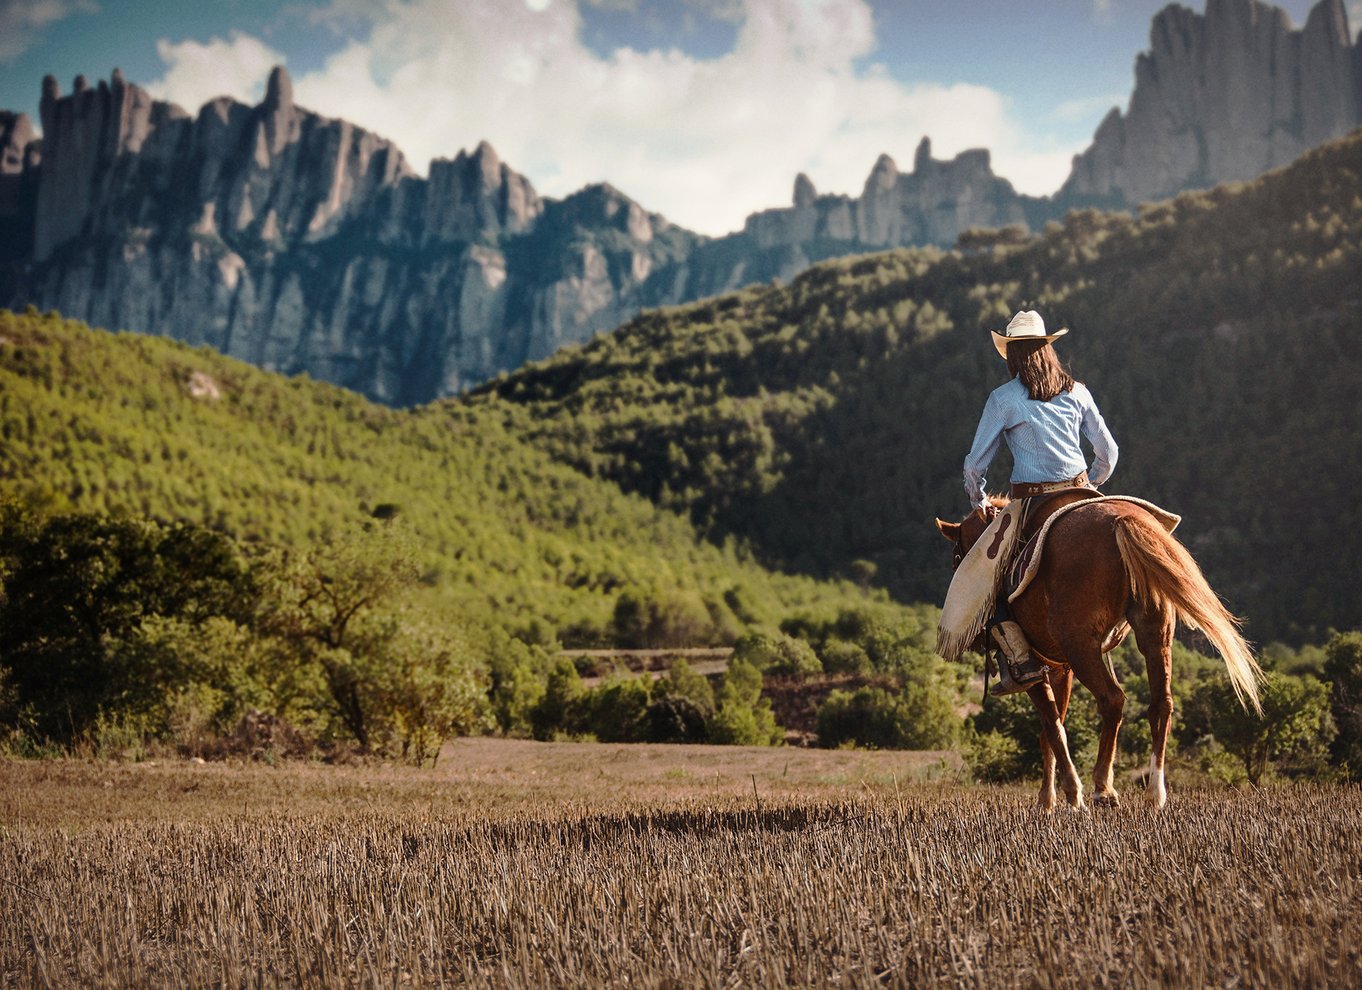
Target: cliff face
column 1220, row 97
column 301, row 243
column 20, row 155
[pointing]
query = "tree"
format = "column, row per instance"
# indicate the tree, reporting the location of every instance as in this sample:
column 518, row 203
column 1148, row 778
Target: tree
column 1294, row 731
column 327, row 608
column 428, row 686
column 398, row 681
column 683, row 704
column 78, row 589
column 557, row 710
column 1343, row 671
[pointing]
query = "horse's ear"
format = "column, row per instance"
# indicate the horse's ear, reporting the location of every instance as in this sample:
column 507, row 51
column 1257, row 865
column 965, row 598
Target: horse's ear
column 949, row 530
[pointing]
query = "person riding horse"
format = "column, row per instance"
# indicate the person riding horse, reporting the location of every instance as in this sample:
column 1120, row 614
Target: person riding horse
column 1041, row 413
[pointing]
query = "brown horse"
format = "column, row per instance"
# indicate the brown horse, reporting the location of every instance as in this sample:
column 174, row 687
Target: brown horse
column 1110, row 567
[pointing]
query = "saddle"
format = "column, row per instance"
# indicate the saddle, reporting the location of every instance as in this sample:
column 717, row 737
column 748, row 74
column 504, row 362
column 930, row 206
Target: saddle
column 1036, row 525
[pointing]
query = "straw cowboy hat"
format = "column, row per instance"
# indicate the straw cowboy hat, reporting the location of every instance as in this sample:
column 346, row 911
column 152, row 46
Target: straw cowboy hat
column 1026, row 325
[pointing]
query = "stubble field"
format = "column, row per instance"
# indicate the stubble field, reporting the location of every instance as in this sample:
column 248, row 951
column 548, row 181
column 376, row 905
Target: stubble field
column 522, row 864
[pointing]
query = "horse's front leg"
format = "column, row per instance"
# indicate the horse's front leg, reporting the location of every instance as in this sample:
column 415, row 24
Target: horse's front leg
column 1061, row 685
column 1048, row 796
column 1056, row 741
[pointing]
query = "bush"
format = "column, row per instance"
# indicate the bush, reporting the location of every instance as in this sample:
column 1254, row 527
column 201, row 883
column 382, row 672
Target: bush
column 614, row 712
column 840, row 657
column 1292, row 735
column 778, row 654
column 557, row 710
column 994, row 757
column 674, row 719
column 682, row 682
column 869, row 718
column 652, row 620
column 1343, row 671
column 744, row 717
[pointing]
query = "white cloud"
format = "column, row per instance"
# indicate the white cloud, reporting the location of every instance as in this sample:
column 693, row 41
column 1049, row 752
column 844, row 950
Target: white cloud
column 198, row 72
column 22, row 21
column 703, row 141
column 1083, row 108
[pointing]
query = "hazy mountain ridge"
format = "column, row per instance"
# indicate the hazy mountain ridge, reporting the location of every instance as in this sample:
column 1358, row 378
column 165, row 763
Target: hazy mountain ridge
column 302, row 243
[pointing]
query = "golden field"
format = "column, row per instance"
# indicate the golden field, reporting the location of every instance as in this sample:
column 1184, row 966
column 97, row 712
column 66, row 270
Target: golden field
column 560, row 864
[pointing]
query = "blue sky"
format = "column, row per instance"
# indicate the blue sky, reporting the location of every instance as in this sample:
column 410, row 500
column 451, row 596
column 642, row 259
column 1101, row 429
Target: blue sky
column 703, row 110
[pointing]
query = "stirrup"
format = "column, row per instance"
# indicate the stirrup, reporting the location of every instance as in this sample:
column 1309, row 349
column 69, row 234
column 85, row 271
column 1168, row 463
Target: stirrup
column 1019, row 669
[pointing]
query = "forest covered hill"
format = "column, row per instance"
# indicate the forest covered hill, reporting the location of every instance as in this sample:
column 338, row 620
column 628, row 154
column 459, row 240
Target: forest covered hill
column 824, row 423
column 149, row 428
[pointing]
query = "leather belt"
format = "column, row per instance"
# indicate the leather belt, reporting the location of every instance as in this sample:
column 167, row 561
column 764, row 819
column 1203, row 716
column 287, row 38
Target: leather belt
column 1023, row 489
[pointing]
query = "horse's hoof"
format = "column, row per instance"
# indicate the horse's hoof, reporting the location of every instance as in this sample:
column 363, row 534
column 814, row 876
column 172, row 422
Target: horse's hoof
column 1107, row 800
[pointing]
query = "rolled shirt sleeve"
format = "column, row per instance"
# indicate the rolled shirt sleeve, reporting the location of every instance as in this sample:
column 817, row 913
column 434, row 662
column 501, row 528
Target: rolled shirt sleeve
column 987, row 437
column 1104, row 446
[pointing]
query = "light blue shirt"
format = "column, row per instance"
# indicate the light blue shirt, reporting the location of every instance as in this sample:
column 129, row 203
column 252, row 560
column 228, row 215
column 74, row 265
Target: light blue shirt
column 1043, row 438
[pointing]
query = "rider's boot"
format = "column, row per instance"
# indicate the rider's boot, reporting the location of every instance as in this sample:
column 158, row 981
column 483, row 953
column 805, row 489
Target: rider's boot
column 1020, row 669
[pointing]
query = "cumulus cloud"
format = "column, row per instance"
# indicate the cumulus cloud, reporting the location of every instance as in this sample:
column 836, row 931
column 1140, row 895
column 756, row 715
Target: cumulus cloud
column 237, row 66
column 703, row 141
column 22, row 21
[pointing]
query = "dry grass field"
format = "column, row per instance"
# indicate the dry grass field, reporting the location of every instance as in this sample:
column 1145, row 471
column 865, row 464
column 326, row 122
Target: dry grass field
column 564, row 865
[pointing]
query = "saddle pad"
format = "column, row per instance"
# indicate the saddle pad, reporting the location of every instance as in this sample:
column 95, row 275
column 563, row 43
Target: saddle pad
column 1028, row 562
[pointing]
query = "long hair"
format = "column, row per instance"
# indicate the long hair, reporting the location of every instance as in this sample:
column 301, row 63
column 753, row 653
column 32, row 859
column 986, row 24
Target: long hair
column 1038, row 367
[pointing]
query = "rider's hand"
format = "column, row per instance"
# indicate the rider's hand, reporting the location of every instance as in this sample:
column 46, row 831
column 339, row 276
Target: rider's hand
column 988, row 510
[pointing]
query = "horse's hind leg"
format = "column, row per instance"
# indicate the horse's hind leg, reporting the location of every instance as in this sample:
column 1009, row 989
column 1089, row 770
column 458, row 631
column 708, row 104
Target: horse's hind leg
column 1056, row 741
column 1086, row 660
column 1154, row 636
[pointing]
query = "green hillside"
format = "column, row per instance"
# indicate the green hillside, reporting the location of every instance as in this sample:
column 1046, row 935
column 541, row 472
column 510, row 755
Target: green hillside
column 143, row 426
column 824, row 423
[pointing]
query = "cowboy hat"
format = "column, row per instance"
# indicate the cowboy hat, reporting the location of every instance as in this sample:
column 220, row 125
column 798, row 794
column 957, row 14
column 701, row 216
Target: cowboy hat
column 1026, row 325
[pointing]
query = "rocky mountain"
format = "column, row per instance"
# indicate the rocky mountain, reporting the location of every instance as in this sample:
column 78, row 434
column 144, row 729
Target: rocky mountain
column 305, row 244
column 1223, row 96
column 301, row 243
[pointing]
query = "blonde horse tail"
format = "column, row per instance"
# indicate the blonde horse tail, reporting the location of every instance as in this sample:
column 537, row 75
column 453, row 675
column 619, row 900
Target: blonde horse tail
column 1163, row 576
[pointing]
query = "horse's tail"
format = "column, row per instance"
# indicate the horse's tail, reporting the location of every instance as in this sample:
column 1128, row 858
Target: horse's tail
column 1164, row 576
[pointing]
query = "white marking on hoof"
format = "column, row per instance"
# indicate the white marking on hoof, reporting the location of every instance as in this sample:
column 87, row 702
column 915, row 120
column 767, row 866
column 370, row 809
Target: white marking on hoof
column 1155, row 791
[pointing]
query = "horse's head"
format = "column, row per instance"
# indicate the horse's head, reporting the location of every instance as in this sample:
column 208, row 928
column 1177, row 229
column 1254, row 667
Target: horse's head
column 966, row 532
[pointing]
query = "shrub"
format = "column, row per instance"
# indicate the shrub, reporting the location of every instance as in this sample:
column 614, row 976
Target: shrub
column 994, row 757
column 744, row 717
column 1343, row 671
column 1293, row 733
column 840, row 657
column 557, row 710
column 614, row 711
column 778, row 653
column 920, row 714
column 674, row 719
